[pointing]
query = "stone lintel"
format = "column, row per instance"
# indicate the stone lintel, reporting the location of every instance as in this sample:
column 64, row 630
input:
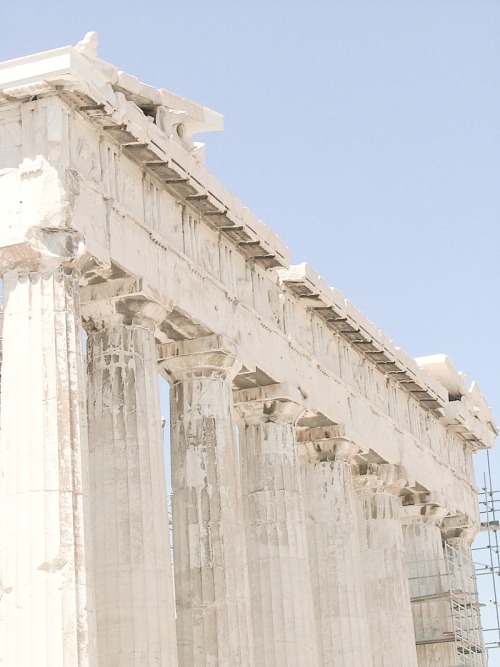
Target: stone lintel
column 198, row 357
column 122, row 301
column 381, row 478
column 280, row 402
column 328, row 443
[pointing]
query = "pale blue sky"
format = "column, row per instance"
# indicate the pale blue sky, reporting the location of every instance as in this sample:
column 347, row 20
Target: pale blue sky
column 366, row 134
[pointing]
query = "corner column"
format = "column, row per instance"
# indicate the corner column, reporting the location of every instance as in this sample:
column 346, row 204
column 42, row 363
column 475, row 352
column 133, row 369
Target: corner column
column 429, row 584
column 46, row 590
column 278, row 561
column 392, row 638
column 211, row 581
column 134, row 589
column 333, row 527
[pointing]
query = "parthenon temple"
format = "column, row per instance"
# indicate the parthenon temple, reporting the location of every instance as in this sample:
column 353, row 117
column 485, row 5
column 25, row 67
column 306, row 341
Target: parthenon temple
column 323, row 493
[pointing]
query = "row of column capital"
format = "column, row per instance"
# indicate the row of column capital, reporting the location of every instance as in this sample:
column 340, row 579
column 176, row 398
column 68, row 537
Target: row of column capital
column 280, row 402
column 129, row 301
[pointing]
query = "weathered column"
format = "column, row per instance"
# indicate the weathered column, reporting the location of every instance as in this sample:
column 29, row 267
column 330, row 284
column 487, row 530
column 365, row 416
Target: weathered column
column 46, row 594
column 134, row 590
column 278, row 562
column 458, row 533
column 332, row 520
column 211, row 581
column 392, row 638
column 429, row 583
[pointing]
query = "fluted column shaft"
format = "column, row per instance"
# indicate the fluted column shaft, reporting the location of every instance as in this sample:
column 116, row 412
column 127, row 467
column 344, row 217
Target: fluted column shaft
column 134, row 597
column 211, row 581
column 46, row 594
column 332, row 521
column 392, row 637
column 429, row 584
column 278, row 561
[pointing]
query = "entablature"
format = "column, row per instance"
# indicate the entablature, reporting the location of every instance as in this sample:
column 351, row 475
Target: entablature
column 343, row 318
column 112, row 101
column 468, row 413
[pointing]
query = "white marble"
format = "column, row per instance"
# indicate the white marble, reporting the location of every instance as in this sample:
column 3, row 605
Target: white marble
column 100, row 173
column 46, row 595
column 430, row 584
column 458, row 534
column 333, row 526
column 135, row 606
column 392, row 638
column 211, row 581
column 278, row 560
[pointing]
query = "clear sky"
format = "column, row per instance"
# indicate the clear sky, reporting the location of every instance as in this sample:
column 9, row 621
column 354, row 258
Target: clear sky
column 366, row 134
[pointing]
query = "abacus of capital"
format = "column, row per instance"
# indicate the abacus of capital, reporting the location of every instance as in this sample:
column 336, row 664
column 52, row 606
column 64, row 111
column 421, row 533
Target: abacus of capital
column 323, row 490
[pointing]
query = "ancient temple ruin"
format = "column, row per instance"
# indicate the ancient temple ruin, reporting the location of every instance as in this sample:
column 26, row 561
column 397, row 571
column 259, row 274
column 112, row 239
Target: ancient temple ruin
column 324, row 500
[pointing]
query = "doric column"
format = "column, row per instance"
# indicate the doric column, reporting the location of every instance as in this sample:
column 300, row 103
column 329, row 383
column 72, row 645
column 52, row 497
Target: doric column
column 458, row 533
column 278, row 562
column 211, row 582
column 429, row 583
column 332, row 519
column 134, row 590
column 46, row 594
column 392, row 638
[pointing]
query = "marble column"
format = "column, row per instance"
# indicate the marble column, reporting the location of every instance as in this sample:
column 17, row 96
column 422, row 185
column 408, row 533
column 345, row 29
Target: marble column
column 429, row 584
column 211, row 581
column 392, row 638
column 46, row 591
column 278, row 562
column 332, row 521
column 458, row 533
column 135, row 606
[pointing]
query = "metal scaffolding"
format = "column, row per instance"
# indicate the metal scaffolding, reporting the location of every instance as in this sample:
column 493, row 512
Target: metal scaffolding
column 486, row 553
column 446, row 609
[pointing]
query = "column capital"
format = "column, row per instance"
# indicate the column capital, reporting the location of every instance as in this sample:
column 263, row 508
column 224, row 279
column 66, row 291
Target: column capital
column 44, row 250
column 458, row 528
column 270, row 403
column 326, row 443
column 381, row 478
column 121, row 301
column 423, row 508
column 188, row 359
